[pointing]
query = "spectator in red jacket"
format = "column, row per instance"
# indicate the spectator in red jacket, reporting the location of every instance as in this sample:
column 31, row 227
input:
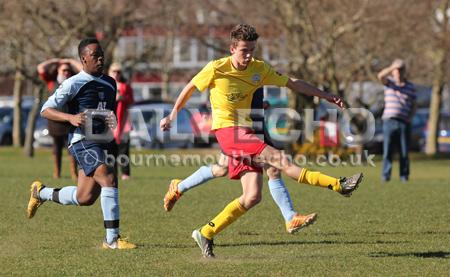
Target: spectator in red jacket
column 122, row 132
column 53, row 72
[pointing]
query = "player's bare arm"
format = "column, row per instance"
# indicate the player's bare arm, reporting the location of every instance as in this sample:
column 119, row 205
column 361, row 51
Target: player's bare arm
column 184, row 96
column 307, row 89
column 74, row 119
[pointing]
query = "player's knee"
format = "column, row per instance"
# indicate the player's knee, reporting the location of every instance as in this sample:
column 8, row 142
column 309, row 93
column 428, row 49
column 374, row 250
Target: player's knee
column 273, row 173
column 279, row 161
column 252, row 200
column 106, row 181
column 86, row 200
column 285, row 162
column 271, row 155
column 219, row 171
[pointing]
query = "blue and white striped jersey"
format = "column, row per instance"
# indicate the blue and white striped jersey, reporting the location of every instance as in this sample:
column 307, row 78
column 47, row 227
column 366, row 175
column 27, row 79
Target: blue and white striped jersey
column 399, row 100
column 81, row 92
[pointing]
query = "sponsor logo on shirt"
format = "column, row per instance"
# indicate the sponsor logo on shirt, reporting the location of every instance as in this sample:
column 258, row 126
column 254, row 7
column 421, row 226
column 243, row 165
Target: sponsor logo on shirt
column 234, row 97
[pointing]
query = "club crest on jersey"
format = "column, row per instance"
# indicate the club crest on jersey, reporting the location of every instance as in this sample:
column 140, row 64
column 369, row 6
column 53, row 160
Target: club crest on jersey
column 256, row 78
column 101, row 95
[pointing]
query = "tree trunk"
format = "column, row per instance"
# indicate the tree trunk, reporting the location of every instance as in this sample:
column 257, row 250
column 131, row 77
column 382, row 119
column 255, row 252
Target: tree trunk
column 166, row 67
column 18, row 87
column 440, row 75
column 431, row 147
column 31, row 122
column 165, row 94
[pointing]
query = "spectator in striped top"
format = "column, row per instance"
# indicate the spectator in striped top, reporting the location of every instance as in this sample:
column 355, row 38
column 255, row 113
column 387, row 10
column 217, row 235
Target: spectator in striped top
column 399, row 107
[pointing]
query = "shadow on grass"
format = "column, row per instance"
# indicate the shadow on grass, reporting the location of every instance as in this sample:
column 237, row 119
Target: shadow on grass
column 412, row 233
column 268, row 243
column 438, row 254
column 168, row 246
column 274, row 243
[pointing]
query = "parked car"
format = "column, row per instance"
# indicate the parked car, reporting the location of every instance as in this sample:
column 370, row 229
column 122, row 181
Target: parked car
column 6, row 123
column 201, row 123
column 443, row 133
column 418, row 133
column 145, row 120
column 41, row 135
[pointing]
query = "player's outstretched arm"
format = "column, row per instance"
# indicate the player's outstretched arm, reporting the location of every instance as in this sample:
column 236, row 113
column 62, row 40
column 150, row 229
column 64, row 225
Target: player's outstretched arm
column 184, row 96
column 307, row 89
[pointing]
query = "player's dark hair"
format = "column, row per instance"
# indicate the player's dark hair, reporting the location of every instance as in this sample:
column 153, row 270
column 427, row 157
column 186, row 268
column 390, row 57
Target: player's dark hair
column 243, row 32
column 85, row 42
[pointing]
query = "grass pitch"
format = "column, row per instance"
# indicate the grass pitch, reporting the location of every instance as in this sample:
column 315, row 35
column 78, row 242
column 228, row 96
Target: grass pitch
column 393, row 229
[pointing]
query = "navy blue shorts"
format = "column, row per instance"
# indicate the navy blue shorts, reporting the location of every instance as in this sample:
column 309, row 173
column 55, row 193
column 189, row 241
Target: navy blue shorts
column 90, row 155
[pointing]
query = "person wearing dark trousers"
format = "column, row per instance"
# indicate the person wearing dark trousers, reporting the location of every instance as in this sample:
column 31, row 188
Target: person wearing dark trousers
column 399, row 107
column 53, row 72
column 124, row 100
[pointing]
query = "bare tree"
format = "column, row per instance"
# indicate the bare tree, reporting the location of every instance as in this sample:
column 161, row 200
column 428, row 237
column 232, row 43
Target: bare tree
column 53, row 24
column 17, row 47
column 330, row 43
column 46, row 29
column 440, row 55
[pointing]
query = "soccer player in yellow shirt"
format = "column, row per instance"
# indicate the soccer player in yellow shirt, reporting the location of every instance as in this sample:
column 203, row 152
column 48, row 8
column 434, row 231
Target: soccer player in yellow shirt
column 294, row 221
column 232, row 81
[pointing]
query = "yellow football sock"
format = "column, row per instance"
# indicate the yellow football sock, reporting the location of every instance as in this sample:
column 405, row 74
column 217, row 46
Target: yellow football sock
column 316, row 178
column 231, row 212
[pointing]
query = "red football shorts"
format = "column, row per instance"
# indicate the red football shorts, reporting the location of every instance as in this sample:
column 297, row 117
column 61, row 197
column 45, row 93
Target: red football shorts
column 241, row 145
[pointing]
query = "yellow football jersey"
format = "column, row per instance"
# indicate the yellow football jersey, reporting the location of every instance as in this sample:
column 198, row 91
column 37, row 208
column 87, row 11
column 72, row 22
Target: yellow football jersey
column 232, row 90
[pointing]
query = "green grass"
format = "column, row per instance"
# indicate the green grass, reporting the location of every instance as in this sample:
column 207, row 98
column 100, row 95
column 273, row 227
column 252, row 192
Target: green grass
column 390, row 229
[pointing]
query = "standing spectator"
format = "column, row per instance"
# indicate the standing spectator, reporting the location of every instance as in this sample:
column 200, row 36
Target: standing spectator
column 124, row 100
column 54, row 72
column 399, row 107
